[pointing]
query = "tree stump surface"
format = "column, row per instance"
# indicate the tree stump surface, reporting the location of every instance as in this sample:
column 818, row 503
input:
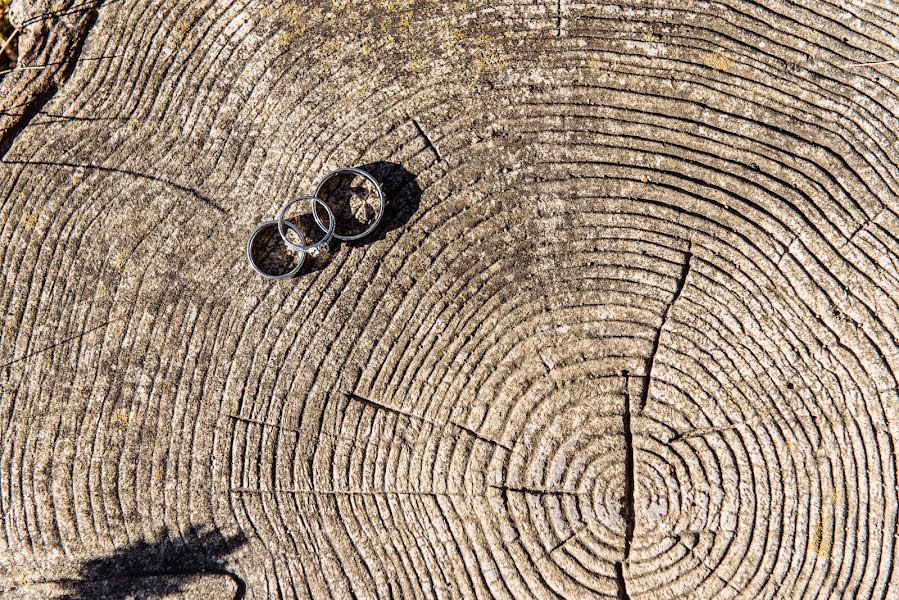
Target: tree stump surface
column 629, row 328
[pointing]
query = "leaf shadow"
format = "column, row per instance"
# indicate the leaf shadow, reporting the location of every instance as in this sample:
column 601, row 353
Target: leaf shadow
column 157, row 569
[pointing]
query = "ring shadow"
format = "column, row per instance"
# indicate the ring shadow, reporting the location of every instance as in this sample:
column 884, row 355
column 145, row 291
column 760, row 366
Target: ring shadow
column 402, row 196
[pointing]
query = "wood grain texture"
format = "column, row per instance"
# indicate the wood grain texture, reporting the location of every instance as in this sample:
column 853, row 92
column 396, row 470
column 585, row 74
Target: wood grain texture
column 630, row 329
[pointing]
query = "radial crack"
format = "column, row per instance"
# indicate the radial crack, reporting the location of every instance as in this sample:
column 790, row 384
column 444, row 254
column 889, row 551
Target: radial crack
column 297, row 432
column 622, row 582
column 563, row 542
column 130, row 173
column 627, row 506
column 83, row 7
column 650, row 362
column 263, row 423
column 59, row 343
column 558, row 18
column 537, row 491
column 314, row 492
column 567, row 539
column 428, row 140
column 707, row 430
column 471, row 432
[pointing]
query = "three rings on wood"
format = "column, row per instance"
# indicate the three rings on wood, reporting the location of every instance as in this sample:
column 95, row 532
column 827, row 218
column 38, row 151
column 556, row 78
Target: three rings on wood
column 329, row 228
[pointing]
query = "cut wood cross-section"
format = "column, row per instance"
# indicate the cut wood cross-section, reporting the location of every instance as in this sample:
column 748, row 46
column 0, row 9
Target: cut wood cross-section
column 629, row 328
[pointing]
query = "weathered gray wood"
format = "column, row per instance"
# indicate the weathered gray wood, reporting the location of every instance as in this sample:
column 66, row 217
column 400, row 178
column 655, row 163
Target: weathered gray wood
column 630, row 329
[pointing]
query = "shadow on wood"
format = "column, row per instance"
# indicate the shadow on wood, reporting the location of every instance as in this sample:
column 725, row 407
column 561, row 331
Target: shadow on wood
column 403, row 197
column 157, row 570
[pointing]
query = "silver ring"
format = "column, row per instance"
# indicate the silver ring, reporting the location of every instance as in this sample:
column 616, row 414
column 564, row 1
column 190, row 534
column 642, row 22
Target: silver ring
column 252, row 239
column 354, row 171
column 312, row 249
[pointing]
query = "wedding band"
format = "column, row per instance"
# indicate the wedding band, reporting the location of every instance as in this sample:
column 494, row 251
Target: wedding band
column 255, row 233
column 312, row 249
column 349, row 171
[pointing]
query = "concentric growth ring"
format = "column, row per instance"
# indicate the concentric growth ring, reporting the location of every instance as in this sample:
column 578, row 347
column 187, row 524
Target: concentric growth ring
column 372, row 180
column 634, row 332
column 315, row 248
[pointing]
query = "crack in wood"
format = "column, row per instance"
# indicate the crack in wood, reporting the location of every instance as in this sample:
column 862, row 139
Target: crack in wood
column 65, row 41
column 83, row 7
column 430, row 143
column 537, row 491
column 315, row 492
column 59, row 63
column 59, row 343
column 622, row 582
column 628, row 510
column 561, row 543
column 707, row 430
column 181, row 188
column 547, row 365
column 862, row 227
column 788, row 248
column 299, row 432
column 25, row 68
column 471, row 432
column 712, row 570
column 558, row 18
column 650, row 362
column 873, row 64
column 263, row 423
